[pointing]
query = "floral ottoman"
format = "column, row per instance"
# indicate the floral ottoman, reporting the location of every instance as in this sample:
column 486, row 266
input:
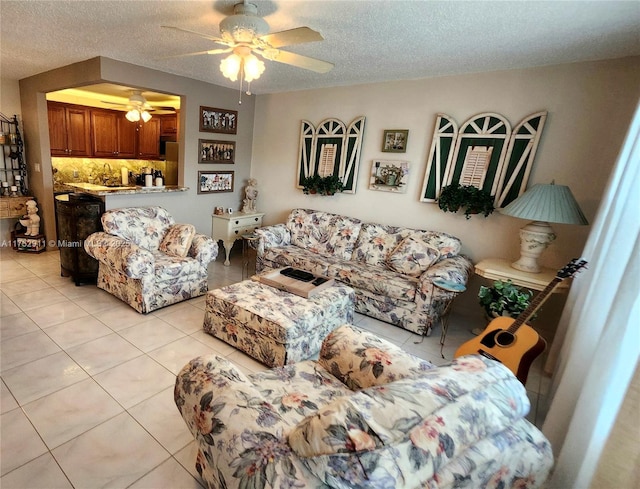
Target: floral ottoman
column 273, row 326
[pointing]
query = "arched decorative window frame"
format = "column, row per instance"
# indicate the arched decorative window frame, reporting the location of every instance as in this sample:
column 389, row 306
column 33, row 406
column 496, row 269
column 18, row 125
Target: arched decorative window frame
column 511, row 160
column 348, row 141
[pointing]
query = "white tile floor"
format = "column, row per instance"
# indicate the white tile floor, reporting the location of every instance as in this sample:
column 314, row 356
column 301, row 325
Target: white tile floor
column 87, row 382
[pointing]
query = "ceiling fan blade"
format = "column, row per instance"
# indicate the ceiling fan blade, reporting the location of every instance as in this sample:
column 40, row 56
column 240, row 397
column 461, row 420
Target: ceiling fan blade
column 297, row 60
column 197, row 53
column 206, row 36
column 290, row 37
column 113, row 103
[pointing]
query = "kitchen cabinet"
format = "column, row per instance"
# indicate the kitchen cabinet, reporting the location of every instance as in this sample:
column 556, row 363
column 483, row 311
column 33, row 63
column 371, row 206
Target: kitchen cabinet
column 112, row 135
column 168, row 125
column 69, row 129
column 149, row 139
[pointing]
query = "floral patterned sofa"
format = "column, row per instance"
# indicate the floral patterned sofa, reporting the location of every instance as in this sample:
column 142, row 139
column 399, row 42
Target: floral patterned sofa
column 391, row 268
column 365, row 415
column 149, row 261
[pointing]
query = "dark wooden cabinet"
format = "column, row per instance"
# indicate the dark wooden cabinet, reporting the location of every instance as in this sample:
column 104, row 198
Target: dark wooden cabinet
column 77, row 216
column 149, row 139
column 168, row 125
column 112, row 135
column 69, row 130
column 76, row 130
column 104, row 133
column 127, row 137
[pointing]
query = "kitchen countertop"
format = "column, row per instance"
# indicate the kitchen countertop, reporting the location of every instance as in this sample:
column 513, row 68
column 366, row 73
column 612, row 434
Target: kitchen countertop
column 101, row 190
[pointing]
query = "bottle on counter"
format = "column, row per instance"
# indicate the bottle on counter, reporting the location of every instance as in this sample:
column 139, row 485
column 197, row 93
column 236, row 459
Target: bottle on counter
column 159, row 178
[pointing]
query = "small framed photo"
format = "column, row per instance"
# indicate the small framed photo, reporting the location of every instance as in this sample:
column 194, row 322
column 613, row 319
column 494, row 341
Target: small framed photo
column 395, row 140
column 222, row 121
column 210, row 182
column 210, row 151
column 389, row 176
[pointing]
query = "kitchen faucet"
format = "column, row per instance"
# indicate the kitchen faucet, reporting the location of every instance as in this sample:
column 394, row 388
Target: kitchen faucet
column 105, row 175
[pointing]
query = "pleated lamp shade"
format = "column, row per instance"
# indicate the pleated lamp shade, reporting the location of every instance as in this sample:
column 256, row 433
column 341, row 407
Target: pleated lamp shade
column 542, row 204
column 547, row 202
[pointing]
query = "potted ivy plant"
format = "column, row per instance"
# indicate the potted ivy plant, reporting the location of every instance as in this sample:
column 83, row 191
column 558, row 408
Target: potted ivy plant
column 310, row 184
column 328, row 185
column 472, row 199
column 504, row 299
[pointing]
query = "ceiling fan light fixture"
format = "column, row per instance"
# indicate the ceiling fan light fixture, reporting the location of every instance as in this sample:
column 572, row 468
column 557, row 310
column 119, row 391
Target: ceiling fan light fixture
column 133, row 115
column 230, row 66
column 253, row 68
column 146, row 117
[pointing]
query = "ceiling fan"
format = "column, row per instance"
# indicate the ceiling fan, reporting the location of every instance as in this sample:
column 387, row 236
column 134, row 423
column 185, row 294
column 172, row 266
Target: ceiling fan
column 138, row 107
column 245, row 34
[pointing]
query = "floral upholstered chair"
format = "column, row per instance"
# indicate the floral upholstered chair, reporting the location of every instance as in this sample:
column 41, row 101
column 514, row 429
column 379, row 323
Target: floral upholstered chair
column 149, row 261
column 365, row 415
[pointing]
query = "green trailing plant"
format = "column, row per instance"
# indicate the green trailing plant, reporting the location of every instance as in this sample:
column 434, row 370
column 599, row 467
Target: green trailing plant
column 504, row 299
column 472, row 199
column 316, row 184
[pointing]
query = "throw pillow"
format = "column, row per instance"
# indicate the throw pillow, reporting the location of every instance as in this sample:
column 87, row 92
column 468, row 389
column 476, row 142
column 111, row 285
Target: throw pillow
column 178, row 240
column 412, row 257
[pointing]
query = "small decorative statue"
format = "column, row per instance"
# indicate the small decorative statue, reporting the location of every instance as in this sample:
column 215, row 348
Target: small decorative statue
column 251, row 194
column 31, row 220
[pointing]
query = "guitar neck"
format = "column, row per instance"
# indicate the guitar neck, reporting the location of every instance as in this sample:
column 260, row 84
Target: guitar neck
column 534, row 305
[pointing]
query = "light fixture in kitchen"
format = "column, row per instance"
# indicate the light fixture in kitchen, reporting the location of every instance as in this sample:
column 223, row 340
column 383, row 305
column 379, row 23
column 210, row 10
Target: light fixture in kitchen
column 138, row 107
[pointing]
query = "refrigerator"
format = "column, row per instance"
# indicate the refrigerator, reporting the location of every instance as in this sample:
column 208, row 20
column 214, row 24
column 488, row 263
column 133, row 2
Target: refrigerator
column 171, row 162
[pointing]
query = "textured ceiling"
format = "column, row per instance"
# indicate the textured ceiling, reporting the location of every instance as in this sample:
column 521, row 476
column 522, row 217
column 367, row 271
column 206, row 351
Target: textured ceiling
column 368, row 41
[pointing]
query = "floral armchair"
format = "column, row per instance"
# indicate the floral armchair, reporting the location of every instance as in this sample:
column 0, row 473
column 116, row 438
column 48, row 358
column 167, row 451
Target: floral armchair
column 365, row 415
column 149, row 261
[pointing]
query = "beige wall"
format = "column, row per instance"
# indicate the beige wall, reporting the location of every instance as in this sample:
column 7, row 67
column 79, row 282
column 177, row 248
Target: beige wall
column 589, row 104
column 185, row 206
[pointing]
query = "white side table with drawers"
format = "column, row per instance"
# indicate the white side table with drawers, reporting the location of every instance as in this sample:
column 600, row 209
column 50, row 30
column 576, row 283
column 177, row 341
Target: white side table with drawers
column 229, row 227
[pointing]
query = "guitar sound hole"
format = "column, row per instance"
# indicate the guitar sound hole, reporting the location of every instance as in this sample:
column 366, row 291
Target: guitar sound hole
column 504, row 338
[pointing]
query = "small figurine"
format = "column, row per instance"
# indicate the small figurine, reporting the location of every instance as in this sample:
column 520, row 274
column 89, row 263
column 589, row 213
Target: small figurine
column 31, row 220
column 251, row 194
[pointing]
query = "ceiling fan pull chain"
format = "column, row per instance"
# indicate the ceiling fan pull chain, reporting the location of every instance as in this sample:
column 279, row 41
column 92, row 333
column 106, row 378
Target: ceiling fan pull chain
column 241, row 78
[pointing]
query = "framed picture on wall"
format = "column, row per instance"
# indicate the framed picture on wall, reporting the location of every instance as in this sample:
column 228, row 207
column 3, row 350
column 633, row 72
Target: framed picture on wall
column 210, row 182
column 395, row 140
column 210, row 151
column 223, row 121
column 389, row 176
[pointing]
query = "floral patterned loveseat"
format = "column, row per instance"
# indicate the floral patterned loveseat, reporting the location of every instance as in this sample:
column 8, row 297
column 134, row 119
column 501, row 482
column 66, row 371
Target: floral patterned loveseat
column 391, row 268
column 149, row 261
column 365, row 415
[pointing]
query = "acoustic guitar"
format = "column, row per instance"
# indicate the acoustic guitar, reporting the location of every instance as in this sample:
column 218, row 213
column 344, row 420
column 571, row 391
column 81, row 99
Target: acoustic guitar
column 511, row 341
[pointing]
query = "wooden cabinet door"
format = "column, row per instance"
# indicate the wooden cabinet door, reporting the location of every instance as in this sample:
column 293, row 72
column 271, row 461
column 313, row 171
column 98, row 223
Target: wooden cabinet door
column 127, row 137
column 168, row 125
column 104, row 133
column 149, row 139
column 57, row 129
column 78, row 131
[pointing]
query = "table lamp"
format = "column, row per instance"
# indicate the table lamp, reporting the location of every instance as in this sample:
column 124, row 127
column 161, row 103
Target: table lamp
column 542, row 203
